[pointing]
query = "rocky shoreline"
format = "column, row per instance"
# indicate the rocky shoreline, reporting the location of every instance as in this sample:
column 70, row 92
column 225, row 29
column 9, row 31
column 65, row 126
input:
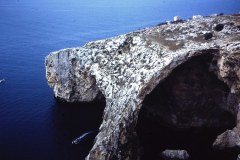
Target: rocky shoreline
column 127, row 68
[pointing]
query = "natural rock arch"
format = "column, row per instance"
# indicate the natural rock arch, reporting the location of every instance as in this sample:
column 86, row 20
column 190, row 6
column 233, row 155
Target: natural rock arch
column 128, row 67
column 187, row 110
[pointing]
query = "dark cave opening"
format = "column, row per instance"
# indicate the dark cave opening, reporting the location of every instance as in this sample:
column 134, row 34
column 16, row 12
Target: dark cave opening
column 73, row 119
column 187, row 110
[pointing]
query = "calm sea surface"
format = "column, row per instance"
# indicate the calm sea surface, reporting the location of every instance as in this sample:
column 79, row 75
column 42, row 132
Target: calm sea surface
column 33, row 126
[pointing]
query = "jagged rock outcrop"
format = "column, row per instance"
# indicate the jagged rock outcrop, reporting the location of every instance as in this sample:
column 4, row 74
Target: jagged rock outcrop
column 68, row 78
column 127, row 68
column 229, row 139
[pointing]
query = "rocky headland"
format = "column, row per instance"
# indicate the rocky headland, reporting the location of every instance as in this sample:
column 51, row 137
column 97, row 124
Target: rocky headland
column 182, row 74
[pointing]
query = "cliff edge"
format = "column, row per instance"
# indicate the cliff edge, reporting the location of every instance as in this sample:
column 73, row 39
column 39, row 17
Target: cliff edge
column 126, row 68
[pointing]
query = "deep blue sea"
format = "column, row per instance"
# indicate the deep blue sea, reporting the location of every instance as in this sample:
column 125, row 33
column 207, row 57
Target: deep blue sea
column 33, row 126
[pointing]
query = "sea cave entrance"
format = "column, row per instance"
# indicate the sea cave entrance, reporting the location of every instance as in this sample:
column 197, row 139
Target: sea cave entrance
column 72, row 120
column 187, row 110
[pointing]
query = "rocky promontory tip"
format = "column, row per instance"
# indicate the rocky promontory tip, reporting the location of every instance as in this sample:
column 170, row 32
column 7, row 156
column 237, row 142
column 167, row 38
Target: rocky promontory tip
column 126, row 69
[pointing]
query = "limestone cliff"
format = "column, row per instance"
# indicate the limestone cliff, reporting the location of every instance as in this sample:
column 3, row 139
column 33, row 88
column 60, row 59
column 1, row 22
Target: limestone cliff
column 126, row 68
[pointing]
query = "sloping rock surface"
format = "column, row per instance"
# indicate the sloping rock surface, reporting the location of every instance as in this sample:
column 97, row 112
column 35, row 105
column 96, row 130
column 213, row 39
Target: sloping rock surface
column 128, row 67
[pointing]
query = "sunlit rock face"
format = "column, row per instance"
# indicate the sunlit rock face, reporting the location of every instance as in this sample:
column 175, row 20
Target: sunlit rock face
column 69, row 80
column 126, row 68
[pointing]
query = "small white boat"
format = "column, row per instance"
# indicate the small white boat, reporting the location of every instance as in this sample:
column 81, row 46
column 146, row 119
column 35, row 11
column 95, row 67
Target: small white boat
column 82, row 137
column 2, row 80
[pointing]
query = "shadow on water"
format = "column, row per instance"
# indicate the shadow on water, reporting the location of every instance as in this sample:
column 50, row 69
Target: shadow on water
column 156, row 138
column 71, row 120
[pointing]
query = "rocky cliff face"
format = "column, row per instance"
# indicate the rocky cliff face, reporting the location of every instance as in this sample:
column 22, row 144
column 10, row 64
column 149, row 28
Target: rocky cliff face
column 127, row 68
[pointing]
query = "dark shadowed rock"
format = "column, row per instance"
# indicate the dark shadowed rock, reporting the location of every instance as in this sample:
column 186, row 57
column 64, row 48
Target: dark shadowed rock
column 208, row 36
column 219, row 27
column 238, row 158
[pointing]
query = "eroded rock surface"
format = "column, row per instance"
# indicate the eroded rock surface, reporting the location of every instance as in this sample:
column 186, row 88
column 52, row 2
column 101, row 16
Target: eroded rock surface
column 230, row 139
column 175, row 154
column 128, row 67
column 68, row 78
